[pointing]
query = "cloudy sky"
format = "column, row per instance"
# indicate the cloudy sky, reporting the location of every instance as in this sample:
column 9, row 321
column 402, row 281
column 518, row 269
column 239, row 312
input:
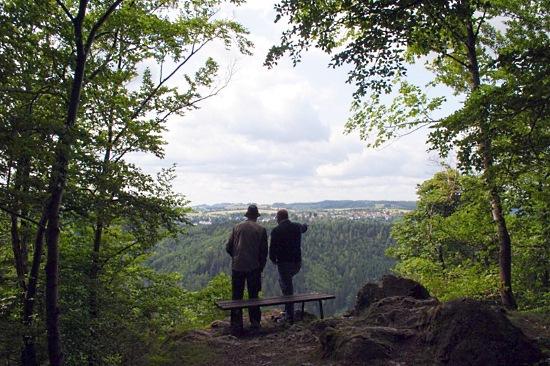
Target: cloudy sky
column 277, row 135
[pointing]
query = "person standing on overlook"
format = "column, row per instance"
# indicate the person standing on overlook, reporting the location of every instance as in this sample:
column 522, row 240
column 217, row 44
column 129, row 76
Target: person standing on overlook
column 285, row 251
column 247, row 247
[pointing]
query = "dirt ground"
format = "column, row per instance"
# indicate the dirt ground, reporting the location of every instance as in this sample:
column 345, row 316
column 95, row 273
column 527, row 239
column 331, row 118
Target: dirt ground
column 281, row 344
column 276, row 343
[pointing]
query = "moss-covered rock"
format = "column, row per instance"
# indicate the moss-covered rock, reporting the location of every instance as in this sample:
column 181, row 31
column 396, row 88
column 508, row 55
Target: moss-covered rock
column 352, row 348
column 400, row 312
column 388, row 287
column 468, row 332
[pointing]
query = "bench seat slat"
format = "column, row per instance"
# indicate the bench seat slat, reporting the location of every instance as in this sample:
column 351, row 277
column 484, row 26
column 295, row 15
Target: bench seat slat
column 276, row 300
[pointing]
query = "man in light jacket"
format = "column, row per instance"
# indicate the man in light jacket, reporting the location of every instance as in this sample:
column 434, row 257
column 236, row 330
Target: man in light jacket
column 247, row 247
column 285, row 251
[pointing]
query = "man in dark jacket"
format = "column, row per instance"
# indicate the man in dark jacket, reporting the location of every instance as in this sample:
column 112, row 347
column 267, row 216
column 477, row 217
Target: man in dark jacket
column 285, row 251
column 247, row 247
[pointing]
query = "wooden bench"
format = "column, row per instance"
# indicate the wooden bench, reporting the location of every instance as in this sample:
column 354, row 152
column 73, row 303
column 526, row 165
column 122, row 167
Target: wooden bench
column 276, row 300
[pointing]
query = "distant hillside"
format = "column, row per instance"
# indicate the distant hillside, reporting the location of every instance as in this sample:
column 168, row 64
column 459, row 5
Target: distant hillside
column 329, row 204
column 322, row 205
column 339, row 256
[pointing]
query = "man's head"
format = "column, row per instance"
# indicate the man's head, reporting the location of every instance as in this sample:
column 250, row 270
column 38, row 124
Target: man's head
column 282, row 215
column 252, row 213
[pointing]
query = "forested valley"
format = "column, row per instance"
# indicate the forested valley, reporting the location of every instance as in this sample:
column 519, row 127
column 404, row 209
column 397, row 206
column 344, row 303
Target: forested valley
column 339, row 256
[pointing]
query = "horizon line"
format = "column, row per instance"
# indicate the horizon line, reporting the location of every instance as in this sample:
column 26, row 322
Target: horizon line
column 298, row 202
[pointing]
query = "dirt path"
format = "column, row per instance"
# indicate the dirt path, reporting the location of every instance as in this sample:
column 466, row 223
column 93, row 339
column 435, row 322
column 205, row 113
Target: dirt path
column 274, row 344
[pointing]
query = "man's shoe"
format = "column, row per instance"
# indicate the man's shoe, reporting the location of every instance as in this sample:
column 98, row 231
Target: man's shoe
column 284, row 320
column 255, row 328
column 289, row 319
column 237, row 332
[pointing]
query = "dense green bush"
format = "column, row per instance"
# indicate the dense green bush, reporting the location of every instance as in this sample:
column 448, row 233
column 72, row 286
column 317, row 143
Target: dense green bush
column 449, row 243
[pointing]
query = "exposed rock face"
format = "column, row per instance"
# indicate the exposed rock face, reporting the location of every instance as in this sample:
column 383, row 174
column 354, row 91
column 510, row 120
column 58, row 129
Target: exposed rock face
column 400, row 312
column 397, row 321
column 358, row 344
column 389, row 286
column 467, row 332
column 353, row 348
column 379, row 334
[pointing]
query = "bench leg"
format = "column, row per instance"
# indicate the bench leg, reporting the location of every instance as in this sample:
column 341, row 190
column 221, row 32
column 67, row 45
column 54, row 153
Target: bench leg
column 303, row 310
column 321, row 309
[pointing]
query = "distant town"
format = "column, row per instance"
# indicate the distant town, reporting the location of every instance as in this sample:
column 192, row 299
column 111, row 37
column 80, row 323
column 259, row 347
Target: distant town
column 350, row 210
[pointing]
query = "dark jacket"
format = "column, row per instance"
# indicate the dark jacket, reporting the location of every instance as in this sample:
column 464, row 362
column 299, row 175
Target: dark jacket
column 286, row 241
column 247, row 246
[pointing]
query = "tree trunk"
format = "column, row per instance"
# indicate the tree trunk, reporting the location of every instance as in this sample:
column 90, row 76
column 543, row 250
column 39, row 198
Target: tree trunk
column 28, row 356
column 94, row 288
column 58, row 177
column 484, row 145
column 57, row 187
column 20, row 233
column 52, row 279
column 18, row 254
column 18, row 241
column 505, row 253
column 545, row 279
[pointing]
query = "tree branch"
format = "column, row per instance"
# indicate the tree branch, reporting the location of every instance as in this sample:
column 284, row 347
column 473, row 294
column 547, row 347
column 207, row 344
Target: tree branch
column 23, row 217
column 65, row 10
column 99, row 23
column 454, row 58
column 146, row 100
column 120, row 251
column 405, row 134
column 480, row 23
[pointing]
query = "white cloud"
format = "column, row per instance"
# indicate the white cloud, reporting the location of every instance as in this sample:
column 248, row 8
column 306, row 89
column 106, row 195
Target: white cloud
column 277, row 135
column 402, row 158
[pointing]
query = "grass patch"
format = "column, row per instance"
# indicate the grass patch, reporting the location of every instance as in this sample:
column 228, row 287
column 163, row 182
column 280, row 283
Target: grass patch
column 535, row 325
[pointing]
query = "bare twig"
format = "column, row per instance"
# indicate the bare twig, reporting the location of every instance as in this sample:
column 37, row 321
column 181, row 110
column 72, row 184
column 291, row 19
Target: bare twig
column 146, row 100
column 403, row 135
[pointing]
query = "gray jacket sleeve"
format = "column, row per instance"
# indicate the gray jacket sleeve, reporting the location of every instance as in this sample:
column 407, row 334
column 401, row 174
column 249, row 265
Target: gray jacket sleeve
column 230, row 243
column 263, row 250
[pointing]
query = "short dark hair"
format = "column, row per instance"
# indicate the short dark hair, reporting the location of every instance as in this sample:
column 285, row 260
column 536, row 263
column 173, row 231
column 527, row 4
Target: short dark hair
column 282, row 214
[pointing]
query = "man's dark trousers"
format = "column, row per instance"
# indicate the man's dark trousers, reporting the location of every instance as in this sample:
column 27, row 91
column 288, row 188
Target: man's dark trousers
column 287, row 270
column 253, row 281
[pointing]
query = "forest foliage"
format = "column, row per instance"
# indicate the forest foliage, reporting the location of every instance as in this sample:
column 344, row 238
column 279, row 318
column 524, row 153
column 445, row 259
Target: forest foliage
column 448, row 243
column 84, row 85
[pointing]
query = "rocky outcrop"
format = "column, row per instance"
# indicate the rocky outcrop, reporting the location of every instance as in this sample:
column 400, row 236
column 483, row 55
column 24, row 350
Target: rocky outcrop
column 353, row 348
column 467, row 332
column 400, row 312
column 389, row 286
column 396, row 320
column 397, row 324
